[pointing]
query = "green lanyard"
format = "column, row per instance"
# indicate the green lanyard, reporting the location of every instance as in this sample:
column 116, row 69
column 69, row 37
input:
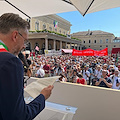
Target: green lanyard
column 4, row 46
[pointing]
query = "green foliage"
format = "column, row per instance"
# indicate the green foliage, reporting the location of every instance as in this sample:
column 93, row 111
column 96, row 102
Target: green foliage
column 32, row 31
column 38, row 31
column 75, row 38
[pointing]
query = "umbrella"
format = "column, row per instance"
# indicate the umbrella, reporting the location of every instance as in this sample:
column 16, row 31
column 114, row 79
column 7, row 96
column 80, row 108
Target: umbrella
column 33, row 8
column 90, row 6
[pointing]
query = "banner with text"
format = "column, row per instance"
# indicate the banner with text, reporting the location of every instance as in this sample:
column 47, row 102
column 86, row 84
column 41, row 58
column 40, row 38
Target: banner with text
column 52, row 52
column 90, row 52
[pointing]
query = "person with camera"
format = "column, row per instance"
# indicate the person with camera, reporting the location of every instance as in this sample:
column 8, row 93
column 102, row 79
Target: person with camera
column 24, row 57
column 104, row 81
column 13, row 37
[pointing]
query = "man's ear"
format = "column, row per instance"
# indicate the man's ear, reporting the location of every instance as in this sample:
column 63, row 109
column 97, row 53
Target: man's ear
column 14, row 35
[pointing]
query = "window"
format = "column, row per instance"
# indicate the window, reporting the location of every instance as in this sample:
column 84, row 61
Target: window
column 44, row 26
column 37, row 25
column 55, row 29
column 106, row 45
column 83, row 41
column 89, row 41
column 100, row 45
column 49, row 46
column 50, row 28
column 100, row 41
column 89, row 46
column 60, row 31
column 95, row 41
column 114, row 45
column 106, row 40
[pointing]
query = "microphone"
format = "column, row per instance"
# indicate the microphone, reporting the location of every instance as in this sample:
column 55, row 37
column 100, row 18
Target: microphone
column 22, row 58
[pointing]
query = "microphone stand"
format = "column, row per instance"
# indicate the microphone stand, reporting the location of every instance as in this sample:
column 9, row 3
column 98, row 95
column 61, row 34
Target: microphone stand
column 25, row 80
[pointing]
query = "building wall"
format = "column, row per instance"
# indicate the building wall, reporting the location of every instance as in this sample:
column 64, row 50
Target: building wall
column 47, row 22
column 102, row 41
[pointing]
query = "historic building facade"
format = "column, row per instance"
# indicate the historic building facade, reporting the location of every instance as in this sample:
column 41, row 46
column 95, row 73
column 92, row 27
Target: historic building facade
column 97, row 40
column 51, row 32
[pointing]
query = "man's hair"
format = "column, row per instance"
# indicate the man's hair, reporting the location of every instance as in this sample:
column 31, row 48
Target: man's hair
column 9, row 21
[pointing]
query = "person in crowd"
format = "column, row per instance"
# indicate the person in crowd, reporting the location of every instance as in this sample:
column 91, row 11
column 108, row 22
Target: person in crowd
column 56, row 68
column 33, row 68
column 40, row 72
column 63, row 78
column 105, row 67
column 104, row 81
column 73, row 74
column 115, row 79
column 13, row 37
column 46, row 68
column 98, row 72
column 111, row 69
column 79, row 70
column 51, row 69
column 86, row 73
column 68, row 70
column 119, row 69
column 80, row 79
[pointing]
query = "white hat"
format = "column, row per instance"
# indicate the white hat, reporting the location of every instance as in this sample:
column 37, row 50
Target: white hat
column 27, row 52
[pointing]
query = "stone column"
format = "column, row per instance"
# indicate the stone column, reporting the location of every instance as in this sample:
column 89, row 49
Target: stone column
column 70, row 45
column 54, row 45
column 60, row 44
column 46, row 43
column 78, row 47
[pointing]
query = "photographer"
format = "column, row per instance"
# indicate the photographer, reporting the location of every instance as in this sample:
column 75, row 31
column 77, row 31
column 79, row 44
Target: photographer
column 26, row 62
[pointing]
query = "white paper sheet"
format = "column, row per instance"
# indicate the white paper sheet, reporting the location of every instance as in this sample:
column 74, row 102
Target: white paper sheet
column 35, row 88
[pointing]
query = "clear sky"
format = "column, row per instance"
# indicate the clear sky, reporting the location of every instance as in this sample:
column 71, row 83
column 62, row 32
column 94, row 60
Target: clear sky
column 107, row 20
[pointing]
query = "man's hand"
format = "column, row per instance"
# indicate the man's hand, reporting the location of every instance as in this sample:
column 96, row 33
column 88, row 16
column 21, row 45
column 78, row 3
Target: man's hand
column 47, row 91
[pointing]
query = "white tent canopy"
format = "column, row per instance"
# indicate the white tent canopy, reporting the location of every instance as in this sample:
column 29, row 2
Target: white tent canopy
column 90, row 6
column 34, row 8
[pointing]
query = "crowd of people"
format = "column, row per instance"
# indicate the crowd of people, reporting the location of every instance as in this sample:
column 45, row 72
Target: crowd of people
column 98, row 71
column 87, row 70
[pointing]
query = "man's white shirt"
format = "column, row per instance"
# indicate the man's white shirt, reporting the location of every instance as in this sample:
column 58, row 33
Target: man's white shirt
column 84, row 76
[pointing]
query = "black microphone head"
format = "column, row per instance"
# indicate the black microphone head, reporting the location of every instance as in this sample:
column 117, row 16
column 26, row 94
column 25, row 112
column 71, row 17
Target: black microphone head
column 22, row 58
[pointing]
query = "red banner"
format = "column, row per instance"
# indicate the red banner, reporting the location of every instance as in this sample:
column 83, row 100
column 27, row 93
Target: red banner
column 90, row 52
column 103, row 52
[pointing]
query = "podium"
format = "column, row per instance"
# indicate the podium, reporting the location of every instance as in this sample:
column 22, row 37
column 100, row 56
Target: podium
column 54, row 111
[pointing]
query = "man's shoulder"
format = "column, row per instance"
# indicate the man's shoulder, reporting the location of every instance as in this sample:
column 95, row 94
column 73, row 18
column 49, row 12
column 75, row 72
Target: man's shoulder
column 6, row 55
